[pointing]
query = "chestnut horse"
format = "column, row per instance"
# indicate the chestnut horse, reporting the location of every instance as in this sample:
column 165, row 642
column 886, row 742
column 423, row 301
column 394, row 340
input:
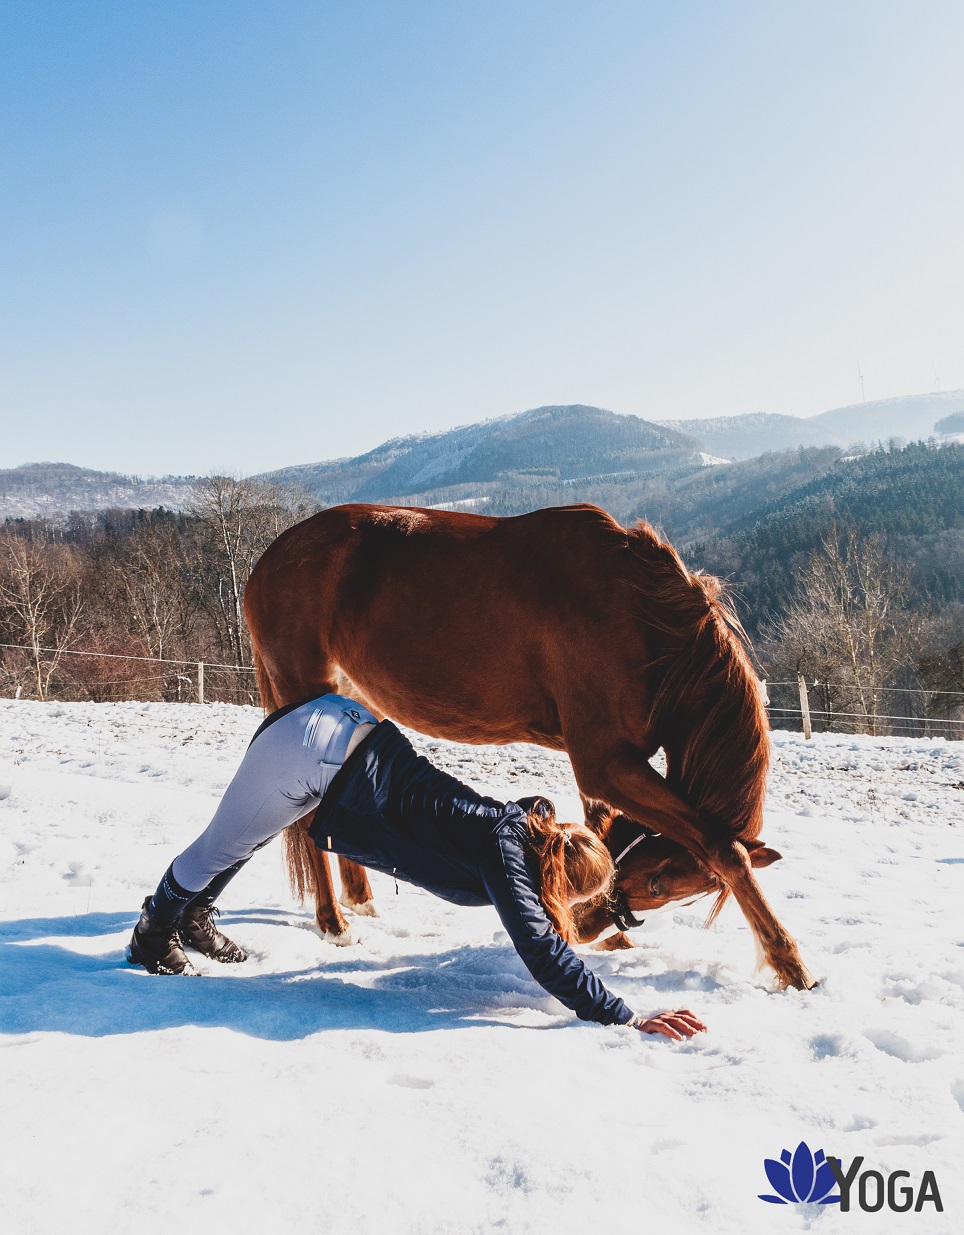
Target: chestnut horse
column 559, row 628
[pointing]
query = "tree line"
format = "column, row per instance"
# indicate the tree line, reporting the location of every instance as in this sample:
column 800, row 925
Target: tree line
column 157, row 585
column 871, row 657
column 850, row 617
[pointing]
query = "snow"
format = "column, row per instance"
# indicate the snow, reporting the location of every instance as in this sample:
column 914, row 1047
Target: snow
column 462, row 503
column 419, row 1081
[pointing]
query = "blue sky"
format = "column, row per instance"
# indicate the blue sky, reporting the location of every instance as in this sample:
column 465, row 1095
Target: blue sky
column 241, row 235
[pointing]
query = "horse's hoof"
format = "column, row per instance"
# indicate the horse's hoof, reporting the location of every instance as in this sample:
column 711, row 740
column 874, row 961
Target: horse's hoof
column 803, row 979
column 341, row 938
column 365, row 910
column 799, row 980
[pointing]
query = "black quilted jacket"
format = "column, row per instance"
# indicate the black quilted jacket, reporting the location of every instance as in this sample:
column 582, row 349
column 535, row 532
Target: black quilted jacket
column 393, row 811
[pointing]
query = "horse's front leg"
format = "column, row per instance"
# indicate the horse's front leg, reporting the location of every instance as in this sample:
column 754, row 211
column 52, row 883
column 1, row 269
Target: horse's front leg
column 356, row 891
column 627, row 781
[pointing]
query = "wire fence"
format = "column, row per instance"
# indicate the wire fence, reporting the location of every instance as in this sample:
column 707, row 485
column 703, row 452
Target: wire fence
column 155, row 660
column 199, row 681
column 880, row 690
column 928, row 712
column 847, row 707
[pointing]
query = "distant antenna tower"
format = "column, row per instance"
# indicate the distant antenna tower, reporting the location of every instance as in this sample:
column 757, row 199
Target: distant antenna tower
column 937, row 380
column 860, row 383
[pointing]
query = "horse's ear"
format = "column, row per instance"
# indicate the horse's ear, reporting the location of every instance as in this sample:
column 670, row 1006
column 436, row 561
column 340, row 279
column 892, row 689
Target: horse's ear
column 760, row 855
column 604, row 823
column 599, row 816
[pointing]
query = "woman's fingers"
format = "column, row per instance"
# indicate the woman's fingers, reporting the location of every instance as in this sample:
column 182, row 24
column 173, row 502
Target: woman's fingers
column 659, row 1024
column 675, row 1025
column 693, row 1021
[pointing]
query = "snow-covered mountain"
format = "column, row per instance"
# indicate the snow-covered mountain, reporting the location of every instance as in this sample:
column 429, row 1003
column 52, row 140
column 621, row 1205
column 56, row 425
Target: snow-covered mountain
column 561, row 443
column 911, row 417
column 543, row 456
column 752, row 434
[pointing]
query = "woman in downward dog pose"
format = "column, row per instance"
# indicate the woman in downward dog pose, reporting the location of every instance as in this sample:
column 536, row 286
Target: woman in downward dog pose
column 387, row 808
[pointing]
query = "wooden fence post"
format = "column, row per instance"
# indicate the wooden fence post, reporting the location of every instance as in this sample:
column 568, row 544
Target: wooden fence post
column 200, row 681
column 804, row 707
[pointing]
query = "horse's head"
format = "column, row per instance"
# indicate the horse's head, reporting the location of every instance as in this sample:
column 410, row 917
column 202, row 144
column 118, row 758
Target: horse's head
column 652, row 871
column 657, row 871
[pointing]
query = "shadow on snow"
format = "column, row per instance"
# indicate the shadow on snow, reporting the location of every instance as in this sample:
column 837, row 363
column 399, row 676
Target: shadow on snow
column 48, row 987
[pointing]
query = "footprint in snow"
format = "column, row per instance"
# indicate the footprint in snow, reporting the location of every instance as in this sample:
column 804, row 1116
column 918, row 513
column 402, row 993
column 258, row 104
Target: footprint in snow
column 406, row 1081
column 893, row 1044
column 78, row 875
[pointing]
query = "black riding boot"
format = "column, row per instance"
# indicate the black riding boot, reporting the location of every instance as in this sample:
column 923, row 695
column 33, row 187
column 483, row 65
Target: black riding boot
column 156, row 946
column 196, row 928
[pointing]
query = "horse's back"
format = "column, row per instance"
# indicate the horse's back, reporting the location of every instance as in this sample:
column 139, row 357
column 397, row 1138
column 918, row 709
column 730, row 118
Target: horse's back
column 401, row 524
column 384, row 541
column 420, row 607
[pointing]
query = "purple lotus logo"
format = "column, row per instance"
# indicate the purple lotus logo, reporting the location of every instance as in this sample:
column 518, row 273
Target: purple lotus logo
column 800, row 1178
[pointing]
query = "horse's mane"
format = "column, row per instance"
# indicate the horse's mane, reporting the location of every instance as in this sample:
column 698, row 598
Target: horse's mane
column 707, row 704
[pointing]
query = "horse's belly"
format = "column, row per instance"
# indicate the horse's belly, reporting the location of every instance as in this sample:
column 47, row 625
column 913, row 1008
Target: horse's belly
column 458, row 711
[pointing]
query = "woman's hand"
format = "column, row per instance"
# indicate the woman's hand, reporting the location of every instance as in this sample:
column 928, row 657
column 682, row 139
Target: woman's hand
column 676, row 1025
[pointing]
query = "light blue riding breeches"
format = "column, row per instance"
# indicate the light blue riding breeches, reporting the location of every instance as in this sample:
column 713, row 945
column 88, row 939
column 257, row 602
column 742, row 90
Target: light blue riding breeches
column 283, row 775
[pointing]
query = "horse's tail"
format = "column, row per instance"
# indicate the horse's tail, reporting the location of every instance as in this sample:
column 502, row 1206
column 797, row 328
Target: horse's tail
column 297, row 855
column 269, row 700
column 297, row 843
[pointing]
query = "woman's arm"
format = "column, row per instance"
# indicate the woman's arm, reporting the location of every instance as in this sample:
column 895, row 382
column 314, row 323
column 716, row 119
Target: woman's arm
column 547, row 956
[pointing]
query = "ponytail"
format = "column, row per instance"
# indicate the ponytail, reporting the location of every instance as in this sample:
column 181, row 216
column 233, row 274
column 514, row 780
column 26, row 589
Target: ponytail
column 573, row 863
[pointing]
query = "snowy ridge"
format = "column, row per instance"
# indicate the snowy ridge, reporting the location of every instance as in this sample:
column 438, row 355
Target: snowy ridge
column 910, row 417
column 52, row 490
column 420, row 1081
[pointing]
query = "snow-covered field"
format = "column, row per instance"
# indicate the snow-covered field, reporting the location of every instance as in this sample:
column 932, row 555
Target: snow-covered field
column 419, row 1081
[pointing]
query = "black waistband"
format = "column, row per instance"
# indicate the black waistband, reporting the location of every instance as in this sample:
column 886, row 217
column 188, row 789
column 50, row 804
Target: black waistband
column 288, row 707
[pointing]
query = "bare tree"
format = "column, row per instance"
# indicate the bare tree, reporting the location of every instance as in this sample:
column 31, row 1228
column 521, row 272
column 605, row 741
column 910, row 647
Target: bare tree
column 237, row 521
column 849, row 623
column 140, row 603
column 146, row 574
column 940, row 670
column 41, row 597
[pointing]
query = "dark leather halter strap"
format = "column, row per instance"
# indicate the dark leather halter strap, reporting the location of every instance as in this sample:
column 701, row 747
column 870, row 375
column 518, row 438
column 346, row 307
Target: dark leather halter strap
column 623, row 917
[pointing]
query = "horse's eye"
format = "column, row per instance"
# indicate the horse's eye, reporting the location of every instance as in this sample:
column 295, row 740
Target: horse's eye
column 654, row 886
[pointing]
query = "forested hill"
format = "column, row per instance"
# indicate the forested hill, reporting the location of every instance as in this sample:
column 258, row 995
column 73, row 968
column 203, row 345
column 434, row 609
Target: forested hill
column 913, row 497
column 674, row 473
column 55, row 489
column 475, row 461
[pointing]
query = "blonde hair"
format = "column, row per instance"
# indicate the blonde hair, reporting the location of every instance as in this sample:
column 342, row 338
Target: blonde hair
column 573, row 863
